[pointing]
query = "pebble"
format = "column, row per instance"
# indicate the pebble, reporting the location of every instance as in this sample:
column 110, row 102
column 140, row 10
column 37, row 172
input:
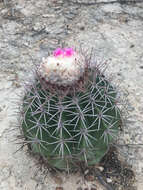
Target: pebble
column 109, row 180
column 100, row 168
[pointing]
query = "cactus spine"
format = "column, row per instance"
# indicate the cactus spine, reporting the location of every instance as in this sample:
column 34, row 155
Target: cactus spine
column 70, row 113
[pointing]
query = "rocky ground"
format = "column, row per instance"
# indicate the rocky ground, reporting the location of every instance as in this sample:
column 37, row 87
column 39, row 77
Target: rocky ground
column 29, row 29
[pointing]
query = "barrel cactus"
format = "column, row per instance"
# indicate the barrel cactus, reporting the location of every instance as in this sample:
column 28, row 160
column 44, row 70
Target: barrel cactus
column 69, row 113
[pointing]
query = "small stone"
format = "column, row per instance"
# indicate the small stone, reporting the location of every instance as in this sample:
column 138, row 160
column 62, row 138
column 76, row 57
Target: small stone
column 86, row 172
column 109, row 180
column 101, row 168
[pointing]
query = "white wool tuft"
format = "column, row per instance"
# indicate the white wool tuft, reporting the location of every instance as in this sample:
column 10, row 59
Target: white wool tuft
column 62, row 70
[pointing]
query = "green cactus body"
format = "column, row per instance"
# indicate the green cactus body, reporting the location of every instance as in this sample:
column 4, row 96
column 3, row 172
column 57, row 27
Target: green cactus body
column 74, row 127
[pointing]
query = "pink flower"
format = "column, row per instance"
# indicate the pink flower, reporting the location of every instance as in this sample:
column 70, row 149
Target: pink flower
column 68, row 52
column 58, row 52
column 64, row 52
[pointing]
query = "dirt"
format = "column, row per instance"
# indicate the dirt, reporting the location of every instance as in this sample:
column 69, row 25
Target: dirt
column 121, row 175
column 112, row 173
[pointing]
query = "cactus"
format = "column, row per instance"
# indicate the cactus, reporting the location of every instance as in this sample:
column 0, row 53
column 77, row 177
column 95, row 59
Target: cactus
column 69, row 112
